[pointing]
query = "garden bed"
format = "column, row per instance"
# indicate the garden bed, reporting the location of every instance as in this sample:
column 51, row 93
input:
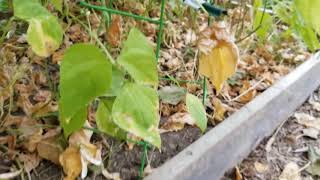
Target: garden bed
column 231, row 141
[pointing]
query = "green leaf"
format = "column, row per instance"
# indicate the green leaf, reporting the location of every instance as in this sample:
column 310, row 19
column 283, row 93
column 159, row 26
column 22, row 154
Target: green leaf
column 297, row 15
column 118, row 80
column 44, row 33
column 197, row 111
column 172, row 94
column 74, row 123
column 85, row 74
column 135, row 110
column 4, row 6
column 310, row 11
column 138, row 58
column 57, row 4
column 105, row 122
column 266, row 22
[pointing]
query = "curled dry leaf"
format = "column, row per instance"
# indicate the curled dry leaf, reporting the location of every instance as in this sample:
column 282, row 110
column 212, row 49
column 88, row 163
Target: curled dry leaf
column 307, row 120
column 248, row 95
column 261, row 168
column 290, row 172
column 80, row 153
column 71, row 162
column 219, row 54
column 114, row 31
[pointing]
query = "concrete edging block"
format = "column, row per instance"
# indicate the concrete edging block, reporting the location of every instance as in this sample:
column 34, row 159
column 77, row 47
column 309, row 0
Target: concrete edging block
column 231, row 141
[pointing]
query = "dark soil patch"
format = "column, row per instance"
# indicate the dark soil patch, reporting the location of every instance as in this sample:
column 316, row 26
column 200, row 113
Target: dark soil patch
column 128, row 162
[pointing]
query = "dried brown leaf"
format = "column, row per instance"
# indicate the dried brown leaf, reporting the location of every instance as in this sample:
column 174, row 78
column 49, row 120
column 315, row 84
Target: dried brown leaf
column 176, row 122
column 219, row 110
column 30, row 161
column 114, row 31
column 290, row 172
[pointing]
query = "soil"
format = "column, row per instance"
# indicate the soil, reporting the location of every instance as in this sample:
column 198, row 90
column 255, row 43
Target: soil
column 289, row 145
column 128, row 162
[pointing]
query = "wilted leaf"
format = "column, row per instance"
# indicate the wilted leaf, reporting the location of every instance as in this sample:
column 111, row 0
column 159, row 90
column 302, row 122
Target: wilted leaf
column 290, row 172
column 135, row 110
column 172, row 94
column 138, row 58
column 105, row 122
column 197, row 111
column 44, row 33
column 84, row 75
column 220, row 62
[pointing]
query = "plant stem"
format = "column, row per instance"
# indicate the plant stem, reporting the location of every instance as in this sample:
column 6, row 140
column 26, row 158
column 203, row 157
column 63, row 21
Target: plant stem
column 105, row 50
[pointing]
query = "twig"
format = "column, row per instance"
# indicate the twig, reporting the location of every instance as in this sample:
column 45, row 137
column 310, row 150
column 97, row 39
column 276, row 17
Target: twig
column 271, row 140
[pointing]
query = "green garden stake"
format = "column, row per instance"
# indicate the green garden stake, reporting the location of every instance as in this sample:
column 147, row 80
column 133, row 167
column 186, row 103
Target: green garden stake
column 143, row 159
column 159, row 39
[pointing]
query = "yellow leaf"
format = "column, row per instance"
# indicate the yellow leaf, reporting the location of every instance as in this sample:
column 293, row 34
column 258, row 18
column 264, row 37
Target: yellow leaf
column 219, row 64
column 218, row 54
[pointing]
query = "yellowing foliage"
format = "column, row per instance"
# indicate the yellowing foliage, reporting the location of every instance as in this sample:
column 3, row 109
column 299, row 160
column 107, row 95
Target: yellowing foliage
column 219, row 55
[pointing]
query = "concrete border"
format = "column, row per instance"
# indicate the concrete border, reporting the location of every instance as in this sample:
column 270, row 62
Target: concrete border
column 231, row 141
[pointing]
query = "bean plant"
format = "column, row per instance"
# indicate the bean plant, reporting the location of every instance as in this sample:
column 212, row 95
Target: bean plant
column 125, row 88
